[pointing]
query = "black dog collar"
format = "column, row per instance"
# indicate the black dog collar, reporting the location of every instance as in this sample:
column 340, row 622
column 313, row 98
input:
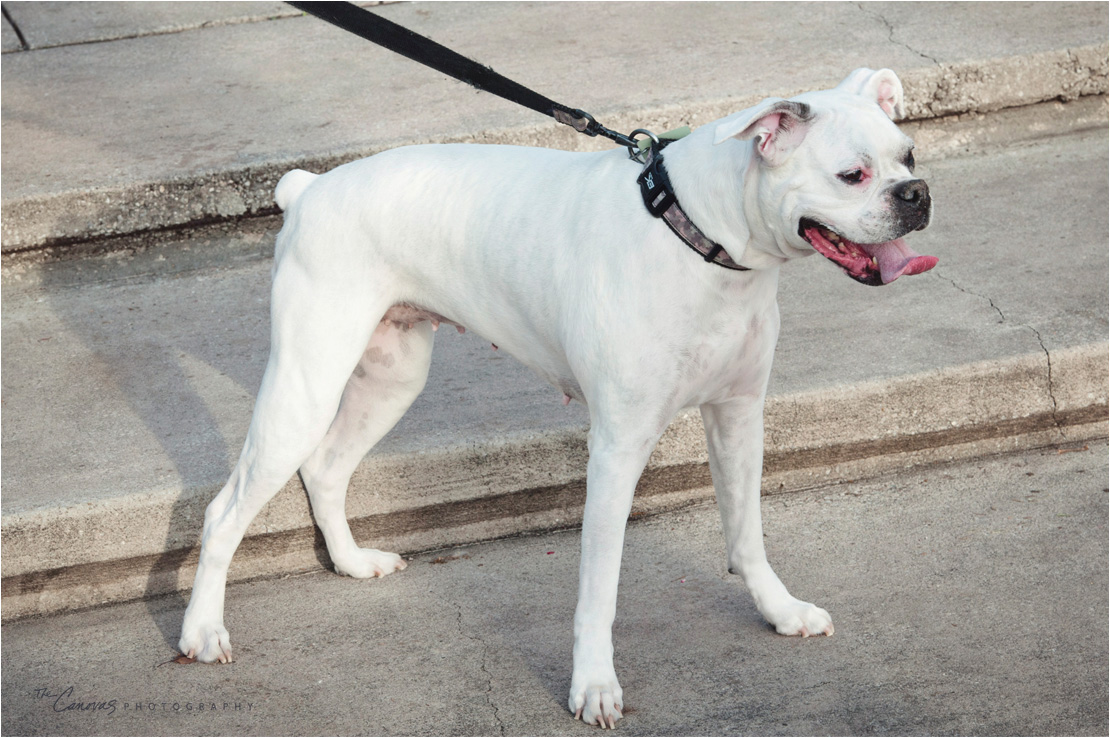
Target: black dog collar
column 659, row 197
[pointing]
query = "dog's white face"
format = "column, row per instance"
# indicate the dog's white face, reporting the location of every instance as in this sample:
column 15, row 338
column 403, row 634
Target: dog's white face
column 834, row 175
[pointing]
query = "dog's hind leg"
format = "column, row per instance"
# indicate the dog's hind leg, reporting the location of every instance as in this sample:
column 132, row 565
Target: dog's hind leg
column 318, row 336
column 390, row 375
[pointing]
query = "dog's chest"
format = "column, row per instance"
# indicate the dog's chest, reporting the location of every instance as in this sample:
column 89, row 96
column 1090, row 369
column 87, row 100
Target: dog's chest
column 728, row 357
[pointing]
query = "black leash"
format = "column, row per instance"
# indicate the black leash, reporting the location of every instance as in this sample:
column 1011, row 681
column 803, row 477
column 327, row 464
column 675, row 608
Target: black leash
column 655, row 186
column 401, row 40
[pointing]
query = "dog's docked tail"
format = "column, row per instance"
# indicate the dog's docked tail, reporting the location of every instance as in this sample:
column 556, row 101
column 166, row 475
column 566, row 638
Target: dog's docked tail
column 290, row 187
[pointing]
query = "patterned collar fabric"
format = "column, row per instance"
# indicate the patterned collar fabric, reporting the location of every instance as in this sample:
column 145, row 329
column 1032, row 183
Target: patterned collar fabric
column 659, row 197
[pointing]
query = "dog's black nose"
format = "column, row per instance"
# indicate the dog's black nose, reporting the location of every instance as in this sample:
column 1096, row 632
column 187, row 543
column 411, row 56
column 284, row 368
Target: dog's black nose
column 913, row 192
column 912, row 204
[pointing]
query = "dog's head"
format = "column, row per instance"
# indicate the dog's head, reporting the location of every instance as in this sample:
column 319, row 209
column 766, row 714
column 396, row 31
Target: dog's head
column 830, row 172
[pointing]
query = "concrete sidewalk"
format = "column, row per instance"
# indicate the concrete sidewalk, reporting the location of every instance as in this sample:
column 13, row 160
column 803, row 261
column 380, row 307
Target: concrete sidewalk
column 130, row 364
column 969, row 599
column 128, row 390
column 155, row 130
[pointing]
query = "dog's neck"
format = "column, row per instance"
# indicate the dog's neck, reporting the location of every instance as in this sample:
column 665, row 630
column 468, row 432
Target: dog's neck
column 717, row 186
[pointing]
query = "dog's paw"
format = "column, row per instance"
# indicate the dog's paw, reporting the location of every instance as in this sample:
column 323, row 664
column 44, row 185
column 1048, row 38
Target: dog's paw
column 797, row 618
column 366, row 563
column 597, row 701
column 208, row 643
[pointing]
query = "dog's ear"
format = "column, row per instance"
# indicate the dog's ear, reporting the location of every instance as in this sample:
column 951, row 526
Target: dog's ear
column 779, row 125
column 882, row 87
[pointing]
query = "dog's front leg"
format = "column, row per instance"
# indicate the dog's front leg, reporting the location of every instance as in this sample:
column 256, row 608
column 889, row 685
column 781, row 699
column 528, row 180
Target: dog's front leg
column 613, row 470
column 734, row 431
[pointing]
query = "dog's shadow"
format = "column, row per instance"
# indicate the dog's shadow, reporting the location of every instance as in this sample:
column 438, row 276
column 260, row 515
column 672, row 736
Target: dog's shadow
column 147, row 361
column 674, row 601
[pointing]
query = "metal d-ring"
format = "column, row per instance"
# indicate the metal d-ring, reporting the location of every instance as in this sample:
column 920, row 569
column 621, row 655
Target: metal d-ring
column 634, row 150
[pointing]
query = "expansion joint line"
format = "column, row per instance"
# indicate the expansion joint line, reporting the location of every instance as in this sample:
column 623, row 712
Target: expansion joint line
column 15, row 27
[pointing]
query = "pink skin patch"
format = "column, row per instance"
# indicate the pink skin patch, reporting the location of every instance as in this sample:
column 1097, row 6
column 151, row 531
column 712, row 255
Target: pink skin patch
column 406, row 316
column 869, row 263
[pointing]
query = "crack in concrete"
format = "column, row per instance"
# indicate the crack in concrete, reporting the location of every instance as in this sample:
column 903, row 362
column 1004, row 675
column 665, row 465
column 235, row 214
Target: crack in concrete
column 1051, row 387
column 1031, row 329
column 1001, row 315
column 891, row 31
column 483, row 667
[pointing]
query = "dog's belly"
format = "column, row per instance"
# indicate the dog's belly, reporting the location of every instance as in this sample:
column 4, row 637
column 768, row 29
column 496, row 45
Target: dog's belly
column 551, row 366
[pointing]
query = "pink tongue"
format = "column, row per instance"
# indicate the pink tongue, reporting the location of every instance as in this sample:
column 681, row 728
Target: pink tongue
column 895, row 258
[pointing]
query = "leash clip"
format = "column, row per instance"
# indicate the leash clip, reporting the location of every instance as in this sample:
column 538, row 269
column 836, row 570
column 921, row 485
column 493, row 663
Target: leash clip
column 583, row 122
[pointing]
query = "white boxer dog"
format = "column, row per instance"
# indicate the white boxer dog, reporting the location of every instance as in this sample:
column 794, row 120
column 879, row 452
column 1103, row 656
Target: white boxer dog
column 554, row 257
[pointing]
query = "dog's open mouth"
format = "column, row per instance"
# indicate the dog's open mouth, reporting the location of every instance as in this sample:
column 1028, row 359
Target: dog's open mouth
column 869, row 263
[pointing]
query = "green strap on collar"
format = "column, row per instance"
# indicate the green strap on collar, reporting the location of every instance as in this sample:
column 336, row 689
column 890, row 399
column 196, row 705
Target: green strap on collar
column 677, row 133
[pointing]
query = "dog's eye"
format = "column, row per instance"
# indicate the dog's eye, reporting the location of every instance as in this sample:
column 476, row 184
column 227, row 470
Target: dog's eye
column 908, row 161
column 853, row 177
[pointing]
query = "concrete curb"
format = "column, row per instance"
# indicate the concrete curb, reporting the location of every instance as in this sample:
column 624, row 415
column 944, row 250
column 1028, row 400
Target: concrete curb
column 82, row 556
column 942, row 90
